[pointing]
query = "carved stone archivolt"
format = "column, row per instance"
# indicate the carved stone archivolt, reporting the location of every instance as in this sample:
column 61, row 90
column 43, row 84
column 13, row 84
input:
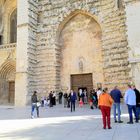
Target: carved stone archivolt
column 8, row 69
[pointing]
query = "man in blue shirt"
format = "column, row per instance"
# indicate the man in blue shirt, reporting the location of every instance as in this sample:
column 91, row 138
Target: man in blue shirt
column 116, row 96
column 130, row 100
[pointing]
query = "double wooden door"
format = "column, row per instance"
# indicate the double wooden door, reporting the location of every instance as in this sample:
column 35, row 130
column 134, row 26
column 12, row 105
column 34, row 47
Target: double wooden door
column 11, row 92
column 83, row 81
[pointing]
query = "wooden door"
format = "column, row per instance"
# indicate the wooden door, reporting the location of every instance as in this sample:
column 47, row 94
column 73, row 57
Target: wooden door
column 81, row 81
column 11, row 91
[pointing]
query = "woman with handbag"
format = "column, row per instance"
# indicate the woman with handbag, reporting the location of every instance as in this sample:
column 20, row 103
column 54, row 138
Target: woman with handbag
column 105, row 102
column 35, row 104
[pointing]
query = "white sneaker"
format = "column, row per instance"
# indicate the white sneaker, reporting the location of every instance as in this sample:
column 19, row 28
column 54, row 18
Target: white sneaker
column 32, row 117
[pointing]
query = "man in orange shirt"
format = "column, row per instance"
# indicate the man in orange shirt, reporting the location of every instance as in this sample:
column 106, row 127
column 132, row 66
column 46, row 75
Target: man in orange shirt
column 105, row 102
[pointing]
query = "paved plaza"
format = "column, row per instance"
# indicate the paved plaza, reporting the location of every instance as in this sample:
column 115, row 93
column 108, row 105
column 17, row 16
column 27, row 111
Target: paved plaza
column 59, row 123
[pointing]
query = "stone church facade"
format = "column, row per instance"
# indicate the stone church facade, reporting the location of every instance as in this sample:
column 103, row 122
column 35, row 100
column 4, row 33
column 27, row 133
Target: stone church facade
column 67, row 44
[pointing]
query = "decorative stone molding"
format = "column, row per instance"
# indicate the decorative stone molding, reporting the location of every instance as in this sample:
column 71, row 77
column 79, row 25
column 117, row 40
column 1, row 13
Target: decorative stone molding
column 8, row 46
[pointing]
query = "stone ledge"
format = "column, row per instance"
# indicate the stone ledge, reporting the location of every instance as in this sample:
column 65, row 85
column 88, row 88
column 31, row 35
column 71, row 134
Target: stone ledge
column 8, row 46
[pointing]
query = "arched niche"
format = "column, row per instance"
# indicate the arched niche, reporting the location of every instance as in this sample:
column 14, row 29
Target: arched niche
column 68, row 18
column 79, row 36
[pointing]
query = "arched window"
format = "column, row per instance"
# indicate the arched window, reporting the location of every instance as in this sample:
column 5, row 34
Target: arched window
column 13, row 27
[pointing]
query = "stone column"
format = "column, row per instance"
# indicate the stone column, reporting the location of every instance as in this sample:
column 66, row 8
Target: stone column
column 21, row 83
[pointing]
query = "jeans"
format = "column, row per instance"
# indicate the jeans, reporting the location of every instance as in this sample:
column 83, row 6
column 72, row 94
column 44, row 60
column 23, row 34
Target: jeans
column 72, row 106
column 116, row 106
column 138, row 112
column 105, row 115
column 33, row 108
column 130, row 108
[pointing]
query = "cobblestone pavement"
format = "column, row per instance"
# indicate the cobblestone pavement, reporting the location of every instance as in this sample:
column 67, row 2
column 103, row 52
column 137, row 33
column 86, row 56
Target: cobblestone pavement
column 59, row 123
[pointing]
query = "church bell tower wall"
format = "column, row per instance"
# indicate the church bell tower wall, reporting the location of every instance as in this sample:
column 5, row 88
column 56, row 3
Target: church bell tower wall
column 114, row 41
column 26, row 49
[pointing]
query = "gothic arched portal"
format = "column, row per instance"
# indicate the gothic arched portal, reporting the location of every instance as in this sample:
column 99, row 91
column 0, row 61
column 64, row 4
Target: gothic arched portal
column 80, row 37
column 7, row 82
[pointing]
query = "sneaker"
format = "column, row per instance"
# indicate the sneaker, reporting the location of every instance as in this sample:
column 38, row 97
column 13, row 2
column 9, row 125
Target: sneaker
column 104, row 128
column 116, row 121
column 120, row 121
column 32, row 117
column 136, row 121
column 129, row 122
column 109, row 127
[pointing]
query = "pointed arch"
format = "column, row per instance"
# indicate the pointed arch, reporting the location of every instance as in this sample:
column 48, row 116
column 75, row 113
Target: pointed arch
column 7, row 81
column 69, row 17
column 9, row 7
column 13, row 26
column 7, row 68
column 79, row 35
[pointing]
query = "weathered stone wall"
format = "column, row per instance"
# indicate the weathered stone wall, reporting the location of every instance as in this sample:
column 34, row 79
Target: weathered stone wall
column 133, row 33
column 114, row 41
column 116, row 70
column 33, row 15
column 39, row 50
column 26, row 51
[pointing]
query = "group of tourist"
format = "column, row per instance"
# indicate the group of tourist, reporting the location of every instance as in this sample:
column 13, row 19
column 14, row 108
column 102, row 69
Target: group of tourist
column 131, row 99
column 101, row 99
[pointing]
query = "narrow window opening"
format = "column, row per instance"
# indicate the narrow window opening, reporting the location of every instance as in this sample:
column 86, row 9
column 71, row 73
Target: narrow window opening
column 13, row 27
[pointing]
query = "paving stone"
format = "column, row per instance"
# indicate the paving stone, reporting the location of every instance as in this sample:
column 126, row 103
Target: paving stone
column 59, row 123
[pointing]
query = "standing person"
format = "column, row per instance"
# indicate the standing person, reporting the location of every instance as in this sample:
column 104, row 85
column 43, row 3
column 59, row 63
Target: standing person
column 42, row 101
column 34, row 101
column 130, row 100
column 54, row 98
column 60, row 97
column 79, row 94
column 68, row 101
column 73, row 99
column 99, row 91
column 95, row 98
column 45, row 102
column 91, row 99
column 137, row 101
column 51, row 99
column 105, row 102
column 116, row 96
column 80, row 103
column 85, row 96
column 65, row 99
